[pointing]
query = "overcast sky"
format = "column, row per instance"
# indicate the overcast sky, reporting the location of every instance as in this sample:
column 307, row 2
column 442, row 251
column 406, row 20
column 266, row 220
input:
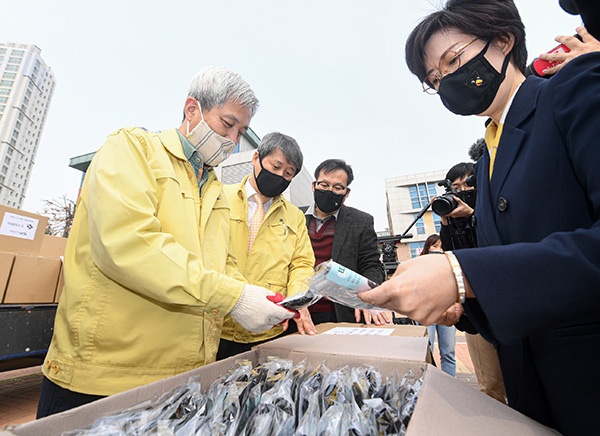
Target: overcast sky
column 329, row 73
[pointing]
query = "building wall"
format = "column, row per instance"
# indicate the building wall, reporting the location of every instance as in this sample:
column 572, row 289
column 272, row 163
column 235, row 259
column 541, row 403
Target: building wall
column 238, row 165
column 26, row 88
column 406, row 197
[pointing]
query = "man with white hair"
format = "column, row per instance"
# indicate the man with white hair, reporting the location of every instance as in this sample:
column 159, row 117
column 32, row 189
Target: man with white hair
column 148, row 271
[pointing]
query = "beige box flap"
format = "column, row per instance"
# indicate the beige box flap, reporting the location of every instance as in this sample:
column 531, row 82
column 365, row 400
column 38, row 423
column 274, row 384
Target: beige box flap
column 447, row 406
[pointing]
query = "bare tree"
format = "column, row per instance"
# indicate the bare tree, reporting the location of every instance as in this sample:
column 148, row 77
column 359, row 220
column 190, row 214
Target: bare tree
column 60, row 214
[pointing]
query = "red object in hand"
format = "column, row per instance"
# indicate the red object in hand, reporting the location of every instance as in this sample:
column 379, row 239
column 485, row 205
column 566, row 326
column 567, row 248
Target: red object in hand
column 278, row 298
column 540, row 64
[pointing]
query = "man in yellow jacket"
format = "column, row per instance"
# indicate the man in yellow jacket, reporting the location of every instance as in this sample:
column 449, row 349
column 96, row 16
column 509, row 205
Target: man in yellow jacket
column 148, row 271
column 268, row 236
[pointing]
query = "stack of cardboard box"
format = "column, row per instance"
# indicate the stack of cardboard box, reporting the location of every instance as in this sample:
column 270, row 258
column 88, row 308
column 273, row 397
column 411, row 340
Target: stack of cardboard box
column 30, row 262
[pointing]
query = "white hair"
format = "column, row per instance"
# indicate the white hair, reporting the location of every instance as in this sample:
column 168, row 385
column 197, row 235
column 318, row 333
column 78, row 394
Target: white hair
column 213, row 86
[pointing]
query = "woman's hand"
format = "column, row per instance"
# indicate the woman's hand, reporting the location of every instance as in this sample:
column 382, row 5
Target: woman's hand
column 423, row 289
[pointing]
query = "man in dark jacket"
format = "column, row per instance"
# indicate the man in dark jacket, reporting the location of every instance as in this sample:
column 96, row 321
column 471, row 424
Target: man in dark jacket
column 344, row 234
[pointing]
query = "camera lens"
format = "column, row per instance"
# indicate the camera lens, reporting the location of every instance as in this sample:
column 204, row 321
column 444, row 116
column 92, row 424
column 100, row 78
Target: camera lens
column 444, row 204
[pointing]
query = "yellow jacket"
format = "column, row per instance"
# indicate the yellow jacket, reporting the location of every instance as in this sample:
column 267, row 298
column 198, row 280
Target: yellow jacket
column 145, row 286
column 281, row 259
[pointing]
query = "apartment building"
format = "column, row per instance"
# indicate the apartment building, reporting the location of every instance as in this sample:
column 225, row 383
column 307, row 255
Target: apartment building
column 26, row 87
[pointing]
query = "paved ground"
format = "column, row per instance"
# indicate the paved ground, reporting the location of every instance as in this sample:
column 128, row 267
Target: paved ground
column 19, row 392
column 19, row 389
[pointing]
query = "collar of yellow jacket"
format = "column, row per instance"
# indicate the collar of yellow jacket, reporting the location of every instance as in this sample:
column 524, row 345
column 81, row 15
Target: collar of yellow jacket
column 170, row 140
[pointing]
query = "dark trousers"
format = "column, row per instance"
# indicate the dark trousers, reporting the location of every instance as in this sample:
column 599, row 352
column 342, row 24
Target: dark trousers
column 54, row 399
column 230, row 348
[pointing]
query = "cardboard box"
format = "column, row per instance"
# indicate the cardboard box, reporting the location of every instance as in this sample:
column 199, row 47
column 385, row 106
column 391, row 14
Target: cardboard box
column 348, row 328
column 52, row 246
column 20, row 231
column 33, row 280
column 6, row 263
column 445, row 406
column 61, row 281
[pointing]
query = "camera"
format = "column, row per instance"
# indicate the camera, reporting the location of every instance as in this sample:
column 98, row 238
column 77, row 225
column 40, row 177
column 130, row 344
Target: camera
column 388, row 251
column 446, row 203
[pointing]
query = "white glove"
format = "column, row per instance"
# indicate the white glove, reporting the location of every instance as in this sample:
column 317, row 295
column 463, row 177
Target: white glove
column 255, row 313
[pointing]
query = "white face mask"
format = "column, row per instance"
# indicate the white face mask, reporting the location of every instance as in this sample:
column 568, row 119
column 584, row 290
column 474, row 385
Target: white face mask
column 213, row 147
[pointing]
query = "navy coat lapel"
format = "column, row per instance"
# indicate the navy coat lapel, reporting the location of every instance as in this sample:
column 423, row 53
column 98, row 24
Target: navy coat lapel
column 512, row 140
column 513, row 137
column 485, row 209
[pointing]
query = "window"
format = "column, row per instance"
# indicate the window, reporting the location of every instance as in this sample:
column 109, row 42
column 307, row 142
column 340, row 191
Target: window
column 13, row 60
column 421, row 194
column 420, row 225
column 6, row 83
column 3, row 99
column 9, row 76
column 437, row 222
column 11, row 68
column 415, row 248
column 4, row 91
column 17, row 53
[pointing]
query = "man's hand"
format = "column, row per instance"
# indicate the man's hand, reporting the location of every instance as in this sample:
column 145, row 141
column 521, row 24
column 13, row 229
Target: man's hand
column 577, row 47
column 378, row 317
column 256, row 313
column 462, row 210
column 304, row 323
column 422, row 288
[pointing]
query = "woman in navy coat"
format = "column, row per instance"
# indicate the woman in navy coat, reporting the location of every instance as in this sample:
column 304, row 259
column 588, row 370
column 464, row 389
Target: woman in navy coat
column 533, row 286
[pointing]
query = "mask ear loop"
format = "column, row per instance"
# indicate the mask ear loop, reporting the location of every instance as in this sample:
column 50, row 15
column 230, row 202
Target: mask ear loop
column 201, row 114
column 200, row 109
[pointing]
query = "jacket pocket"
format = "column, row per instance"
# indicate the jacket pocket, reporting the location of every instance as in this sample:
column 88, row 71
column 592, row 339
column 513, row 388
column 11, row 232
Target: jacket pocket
column 276, row 282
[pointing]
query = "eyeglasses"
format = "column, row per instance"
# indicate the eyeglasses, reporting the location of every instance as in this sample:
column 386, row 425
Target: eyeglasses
column 337, row 188
column 449, row 63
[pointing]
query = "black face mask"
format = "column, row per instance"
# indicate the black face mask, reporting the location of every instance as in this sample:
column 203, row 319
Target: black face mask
column 328, row 201
column 468, row 196
column 472, row 88
column 269, row 184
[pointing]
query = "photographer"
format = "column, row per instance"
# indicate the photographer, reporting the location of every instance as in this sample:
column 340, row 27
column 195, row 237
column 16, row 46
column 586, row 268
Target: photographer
column 457, row 208
column 458, row 231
